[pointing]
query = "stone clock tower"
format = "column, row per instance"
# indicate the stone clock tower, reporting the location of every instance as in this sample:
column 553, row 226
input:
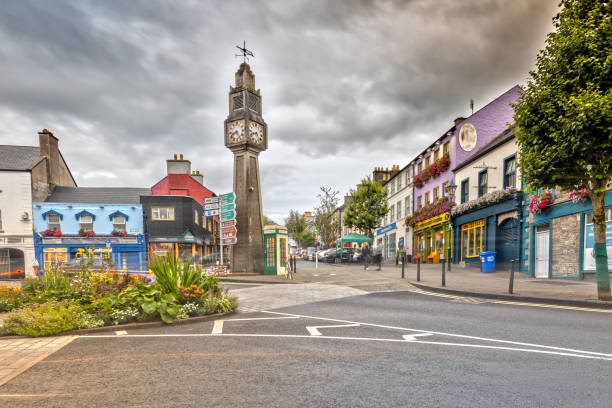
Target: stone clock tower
column 246, row 135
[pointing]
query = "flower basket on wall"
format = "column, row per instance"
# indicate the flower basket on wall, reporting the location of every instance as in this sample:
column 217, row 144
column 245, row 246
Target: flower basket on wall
column 579, row 194
column 119, row 233
column 52, row 233
column 417, row 181
column 440, row 206
column 443, row 163
column 86, row 233
column 540, row 203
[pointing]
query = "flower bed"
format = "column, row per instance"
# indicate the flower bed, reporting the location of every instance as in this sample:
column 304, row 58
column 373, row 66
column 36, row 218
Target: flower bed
column 58, row 302
column 491, row 198
column 440, row 206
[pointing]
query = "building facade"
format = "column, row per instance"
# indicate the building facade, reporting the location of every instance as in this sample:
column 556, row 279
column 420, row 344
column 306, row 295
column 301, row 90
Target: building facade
column 26, row 173
column 96, row 219
column 488, row 215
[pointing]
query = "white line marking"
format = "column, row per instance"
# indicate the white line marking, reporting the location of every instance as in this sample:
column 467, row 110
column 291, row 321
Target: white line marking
column 120, row 332
column 314, row 332
column 412, row 337
column 332, row 274
column 298, row 336
column 261, row 318
column 217, row 327
column 517, row 343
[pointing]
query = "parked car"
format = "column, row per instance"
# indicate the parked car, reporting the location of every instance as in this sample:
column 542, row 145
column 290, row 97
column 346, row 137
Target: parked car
column 330, row 256
column 310, row 253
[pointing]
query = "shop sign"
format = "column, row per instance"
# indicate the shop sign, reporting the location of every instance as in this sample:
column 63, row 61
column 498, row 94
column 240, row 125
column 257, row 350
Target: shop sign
column 387, row 228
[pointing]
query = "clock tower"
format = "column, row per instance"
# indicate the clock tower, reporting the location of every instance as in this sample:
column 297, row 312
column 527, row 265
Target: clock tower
column 246, row 135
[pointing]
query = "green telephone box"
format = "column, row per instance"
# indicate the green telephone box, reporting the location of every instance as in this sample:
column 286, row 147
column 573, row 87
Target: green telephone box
column 276, row 248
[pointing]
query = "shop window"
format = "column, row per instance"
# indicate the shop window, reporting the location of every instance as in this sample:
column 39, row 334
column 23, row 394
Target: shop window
column 483, row 181
column 53, row 221
column 472, row 239
column 435, row 193
column 85, row 222
column 510, row 172
column 419, row 205
column 119, row 222
column 589, row 240
column 162, row 213
column 196, row 217
column 427, row 198
column 465, row 191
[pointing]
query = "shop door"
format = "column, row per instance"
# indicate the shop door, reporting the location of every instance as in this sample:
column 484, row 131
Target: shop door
column 507, row 240
column 541, row 252
column 270, row 256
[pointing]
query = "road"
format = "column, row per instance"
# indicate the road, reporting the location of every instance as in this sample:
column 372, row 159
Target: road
column 383, row 349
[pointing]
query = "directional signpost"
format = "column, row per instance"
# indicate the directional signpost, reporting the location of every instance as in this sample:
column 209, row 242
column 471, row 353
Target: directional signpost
column 226, row 208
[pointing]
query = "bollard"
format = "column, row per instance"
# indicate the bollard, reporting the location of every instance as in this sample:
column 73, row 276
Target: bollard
column 449, row 259
column 418, row 269
column 511, row 285
column 443, row 273
column 403, row 263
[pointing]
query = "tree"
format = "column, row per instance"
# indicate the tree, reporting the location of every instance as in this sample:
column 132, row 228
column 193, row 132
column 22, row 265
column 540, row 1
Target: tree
column 306, row 239
column 325, row 215
column 563, row 120
column 268, row 221
column 366, row 206
column 295, row 223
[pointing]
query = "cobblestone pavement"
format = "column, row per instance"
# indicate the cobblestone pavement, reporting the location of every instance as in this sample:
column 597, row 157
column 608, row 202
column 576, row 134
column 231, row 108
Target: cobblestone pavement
column 276, row 296
column 19, row 353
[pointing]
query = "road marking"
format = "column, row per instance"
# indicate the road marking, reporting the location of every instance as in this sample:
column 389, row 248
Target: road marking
column 243, row 283
column 313, row 330
column 412, row 337
column 217, row 327
column 332, row 274
column 120, row 332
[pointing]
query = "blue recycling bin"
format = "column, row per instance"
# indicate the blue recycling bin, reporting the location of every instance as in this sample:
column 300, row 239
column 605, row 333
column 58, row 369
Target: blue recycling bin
column 487, row 259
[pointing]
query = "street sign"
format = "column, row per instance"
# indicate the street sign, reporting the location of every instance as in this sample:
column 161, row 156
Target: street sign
column 108, row 243
column 228, row 198
column 228, row 215
column 229, row 234
column 228, row 207
column 210, row 213
column 211, row 200
column 229, row 241
column 232, row 231
column 214, row 206
column 228, row 223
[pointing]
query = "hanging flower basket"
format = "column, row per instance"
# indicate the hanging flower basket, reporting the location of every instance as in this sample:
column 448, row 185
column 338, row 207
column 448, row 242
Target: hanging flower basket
column 579, row 194
column 540, row 203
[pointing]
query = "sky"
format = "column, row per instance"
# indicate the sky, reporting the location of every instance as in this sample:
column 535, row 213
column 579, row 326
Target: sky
column 346, row 85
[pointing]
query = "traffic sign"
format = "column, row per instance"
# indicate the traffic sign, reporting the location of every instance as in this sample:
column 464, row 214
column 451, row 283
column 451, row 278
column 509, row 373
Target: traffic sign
column 228, row 215
column 228, row 207
column 211, row 200
column 228, row 223
column 214, row 206
column 229, row 234
column 210, row 213
column 230, row 241
column 228, row 198
column 233, row 230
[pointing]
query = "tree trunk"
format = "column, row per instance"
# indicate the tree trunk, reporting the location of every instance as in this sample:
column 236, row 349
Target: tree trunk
column 600, row 251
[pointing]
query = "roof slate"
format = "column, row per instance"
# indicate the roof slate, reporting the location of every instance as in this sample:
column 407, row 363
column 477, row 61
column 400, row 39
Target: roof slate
column 98, row 195
column 18, row 157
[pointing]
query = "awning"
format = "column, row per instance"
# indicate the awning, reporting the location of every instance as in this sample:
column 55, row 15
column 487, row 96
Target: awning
column 354, row 238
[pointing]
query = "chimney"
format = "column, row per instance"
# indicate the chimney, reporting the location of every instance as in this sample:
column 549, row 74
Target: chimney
column 178, row 166
column 459, row 120
column 197, row 176
column 48, row 144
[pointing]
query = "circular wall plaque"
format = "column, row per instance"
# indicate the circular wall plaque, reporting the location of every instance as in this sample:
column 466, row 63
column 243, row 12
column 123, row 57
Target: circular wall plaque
column 467, row 137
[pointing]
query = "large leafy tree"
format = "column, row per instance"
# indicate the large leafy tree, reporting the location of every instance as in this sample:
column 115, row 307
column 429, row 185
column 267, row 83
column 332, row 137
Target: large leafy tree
column 564, row 117
column 295, row 223
column 366, row 206
column 325, row 214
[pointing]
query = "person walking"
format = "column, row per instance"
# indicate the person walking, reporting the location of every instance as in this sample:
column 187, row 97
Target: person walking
column 378, row 255
column 365, row 253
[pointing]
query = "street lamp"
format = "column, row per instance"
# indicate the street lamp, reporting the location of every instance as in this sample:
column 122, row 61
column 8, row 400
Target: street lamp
column 449, row 190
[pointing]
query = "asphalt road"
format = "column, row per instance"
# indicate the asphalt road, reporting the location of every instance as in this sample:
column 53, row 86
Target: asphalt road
column 389, row 349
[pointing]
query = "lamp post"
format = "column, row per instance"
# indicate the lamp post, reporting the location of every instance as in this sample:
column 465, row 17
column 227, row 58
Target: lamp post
column 449, row 190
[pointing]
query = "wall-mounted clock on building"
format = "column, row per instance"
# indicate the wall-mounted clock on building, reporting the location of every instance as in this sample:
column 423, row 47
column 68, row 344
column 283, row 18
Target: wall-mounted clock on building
column 468, row 137
column 256, row 133
column 235, row 131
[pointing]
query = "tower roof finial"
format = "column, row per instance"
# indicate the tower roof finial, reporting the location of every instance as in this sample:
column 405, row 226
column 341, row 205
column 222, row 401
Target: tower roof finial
column 245, row 53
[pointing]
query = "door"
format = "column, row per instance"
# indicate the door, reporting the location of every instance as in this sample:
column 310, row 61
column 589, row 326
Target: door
column 541, row 251
column 507, row 241
column 270, row 256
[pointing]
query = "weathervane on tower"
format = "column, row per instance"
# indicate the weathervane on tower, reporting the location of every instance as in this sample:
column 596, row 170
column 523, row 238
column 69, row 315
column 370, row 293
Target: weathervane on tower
column 245, row 53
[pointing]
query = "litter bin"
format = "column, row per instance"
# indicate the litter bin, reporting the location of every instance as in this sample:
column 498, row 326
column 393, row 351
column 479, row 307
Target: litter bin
column 487, row 261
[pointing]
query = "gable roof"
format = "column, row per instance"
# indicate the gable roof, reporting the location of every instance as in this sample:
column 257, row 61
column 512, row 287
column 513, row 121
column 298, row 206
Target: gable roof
column 98, row 195
column 18, row 158
column 498, row 140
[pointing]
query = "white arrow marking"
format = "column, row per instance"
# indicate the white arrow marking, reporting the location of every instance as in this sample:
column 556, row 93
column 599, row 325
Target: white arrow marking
column 217, row 327
column 413, row 337
column 314, row 332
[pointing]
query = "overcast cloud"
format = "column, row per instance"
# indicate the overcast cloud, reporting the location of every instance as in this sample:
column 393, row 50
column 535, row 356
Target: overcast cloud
column 346, row 85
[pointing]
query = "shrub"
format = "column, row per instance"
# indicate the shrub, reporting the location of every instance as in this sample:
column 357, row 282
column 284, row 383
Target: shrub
column 88, row 320
column 44, row 320
column 10, row 297
column 124, row 316
column 53, row 285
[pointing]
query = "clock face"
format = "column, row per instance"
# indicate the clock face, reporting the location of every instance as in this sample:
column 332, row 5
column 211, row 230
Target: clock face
column 235, row 131
column 256, row 133
column 468, row 137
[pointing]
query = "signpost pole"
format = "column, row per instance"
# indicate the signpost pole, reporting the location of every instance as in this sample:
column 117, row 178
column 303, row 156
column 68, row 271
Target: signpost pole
column 220, row 231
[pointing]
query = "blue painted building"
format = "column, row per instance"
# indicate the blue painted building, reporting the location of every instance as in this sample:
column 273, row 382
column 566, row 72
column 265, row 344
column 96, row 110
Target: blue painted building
column 83, row 217
column 558, row 242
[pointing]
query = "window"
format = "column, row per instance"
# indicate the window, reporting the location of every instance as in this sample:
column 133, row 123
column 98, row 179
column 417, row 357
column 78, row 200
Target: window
column 419, row 202
column 399, row 210
column 392, row 214
column 0, row 220
column 427, row 162
column 510, row 172
column 435, row 154
column 399, row 183
column 444, row 188
column 483, row 178
column 196, row 217
column 283, row 251
column 420, row 167
column 427, row 197
column 53, row 221
column 407, row 206
column 119, row 222
column 393, row 187
column 238, row 101
column 435, row 193
column 445, row 148
column 589, row 216
column 162, row 213
column 253, row 105
column 471, row 239
column 465, row 191
column 86, row 222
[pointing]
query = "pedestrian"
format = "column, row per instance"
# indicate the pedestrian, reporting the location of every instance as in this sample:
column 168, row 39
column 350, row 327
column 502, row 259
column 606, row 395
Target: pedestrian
column 365, row 253
column 378, row 252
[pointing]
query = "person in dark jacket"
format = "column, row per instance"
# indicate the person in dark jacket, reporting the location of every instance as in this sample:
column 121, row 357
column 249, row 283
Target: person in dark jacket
column 365, row 253
column 378, row 256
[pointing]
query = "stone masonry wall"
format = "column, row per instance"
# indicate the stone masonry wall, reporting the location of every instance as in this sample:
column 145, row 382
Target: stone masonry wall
column 564, row 248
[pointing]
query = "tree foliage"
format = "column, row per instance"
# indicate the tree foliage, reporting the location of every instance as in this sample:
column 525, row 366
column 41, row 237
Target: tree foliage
column 268, row 221
column 295, row 223
column 366, row 206
column 325, row 215
column 563, row 120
